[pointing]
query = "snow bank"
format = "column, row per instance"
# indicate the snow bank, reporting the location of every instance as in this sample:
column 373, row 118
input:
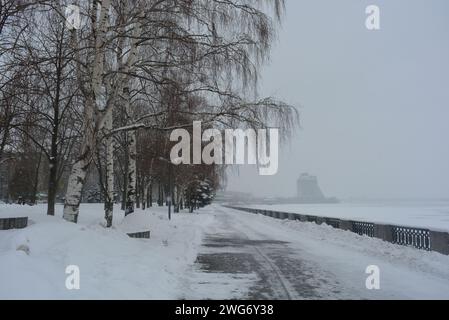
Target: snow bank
column 33, row 260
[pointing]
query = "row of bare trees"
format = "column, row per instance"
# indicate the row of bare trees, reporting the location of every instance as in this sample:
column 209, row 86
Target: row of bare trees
column 106, row 93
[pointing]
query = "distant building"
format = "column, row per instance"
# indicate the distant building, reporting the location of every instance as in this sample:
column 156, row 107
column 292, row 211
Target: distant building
column 308, row 190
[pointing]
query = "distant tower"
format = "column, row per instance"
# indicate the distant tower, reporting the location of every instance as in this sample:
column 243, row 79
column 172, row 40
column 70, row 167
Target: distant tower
column 308, row 189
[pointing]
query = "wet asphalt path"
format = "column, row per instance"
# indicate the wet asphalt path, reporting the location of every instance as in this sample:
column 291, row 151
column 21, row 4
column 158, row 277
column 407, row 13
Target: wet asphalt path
column 275, row 267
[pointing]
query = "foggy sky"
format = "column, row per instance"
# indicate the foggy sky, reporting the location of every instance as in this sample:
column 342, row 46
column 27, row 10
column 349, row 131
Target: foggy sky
column 374, row 104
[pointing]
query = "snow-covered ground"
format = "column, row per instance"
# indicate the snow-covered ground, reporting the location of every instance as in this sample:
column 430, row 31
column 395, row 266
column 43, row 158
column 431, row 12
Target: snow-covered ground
column 424, row 214
column 112, row 265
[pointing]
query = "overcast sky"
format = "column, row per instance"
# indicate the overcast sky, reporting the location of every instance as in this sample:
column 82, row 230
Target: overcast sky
column 374, row 104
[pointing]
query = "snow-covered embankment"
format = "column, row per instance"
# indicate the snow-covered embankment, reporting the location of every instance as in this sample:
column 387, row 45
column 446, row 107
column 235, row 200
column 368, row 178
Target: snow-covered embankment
column 33, row 260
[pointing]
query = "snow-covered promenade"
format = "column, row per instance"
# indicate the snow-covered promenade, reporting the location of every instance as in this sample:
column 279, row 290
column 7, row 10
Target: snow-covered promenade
column 218, row 253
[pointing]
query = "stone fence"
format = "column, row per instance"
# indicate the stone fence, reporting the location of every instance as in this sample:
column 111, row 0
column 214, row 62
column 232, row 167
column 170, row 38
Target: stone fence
column 419, row 238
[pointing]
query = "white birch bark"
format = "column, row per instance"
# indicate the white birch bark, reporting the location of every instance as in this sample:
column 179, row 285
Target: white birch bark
column 109, row 205
column 74, row 189
column 97, row 120
column 132, row 138
column 78, row 174
column 132, row 154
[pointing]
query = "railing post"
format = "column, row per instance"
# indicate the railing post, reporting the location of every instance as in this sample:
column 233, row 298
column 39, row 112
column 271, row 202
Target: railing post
column 384, row 232
column 439, row 242
column 284, row 215
column 346, row 225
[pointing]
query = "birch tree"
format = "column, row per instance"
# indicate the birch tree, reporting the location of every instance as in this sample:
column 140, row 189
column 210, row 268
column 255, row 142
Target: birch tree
column 90, row 79
column 109, row 204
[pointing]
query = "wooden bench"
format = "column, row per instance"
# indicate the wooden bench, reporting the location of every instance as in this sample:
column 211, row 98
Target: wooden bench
column 13, row 223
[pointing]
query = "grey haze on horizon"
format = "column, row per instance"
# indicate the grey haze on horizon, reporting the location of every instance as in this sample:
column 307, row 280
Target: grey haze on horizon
column 374, row 104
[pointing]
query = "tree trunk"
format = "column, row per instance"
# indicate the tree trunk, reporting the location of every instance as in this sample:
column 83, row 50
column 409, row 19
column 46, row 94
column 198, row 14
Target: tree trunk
column 131, row 191
column 138, row 192
column 78, row 174
column 147, row 199
column 138, row 199
column 75, row 185
column 36, row 179
column 178, row 200
column 125, row 181
column 52, row 187
column 144, row 196
column 109, row 200
column 5, row 137
column 53, row 163
column 160, row 202
column 150, row 195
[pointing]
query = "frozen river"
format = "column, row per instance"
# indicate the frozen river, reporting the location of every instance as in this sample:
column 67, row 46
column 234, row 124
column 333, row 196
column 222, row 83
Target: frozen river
column 425, row 214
